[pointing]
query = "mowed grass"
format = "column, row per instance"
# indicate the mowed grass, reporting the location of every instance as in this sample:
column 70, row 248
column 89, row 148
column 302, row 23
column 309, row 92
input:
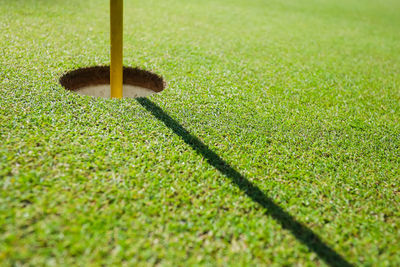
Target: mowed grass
column 277, row 140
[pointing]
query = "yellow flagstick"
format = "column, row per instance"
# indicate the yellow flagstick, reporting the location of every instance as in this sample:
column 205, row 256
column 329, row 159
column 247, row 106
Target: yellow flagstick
column 116, row 21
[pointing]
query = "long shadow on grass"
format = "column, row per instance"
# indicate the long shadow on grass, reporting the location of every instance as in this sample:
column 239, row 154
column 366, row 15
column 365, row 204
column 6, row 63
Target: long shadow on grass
column 304, row 234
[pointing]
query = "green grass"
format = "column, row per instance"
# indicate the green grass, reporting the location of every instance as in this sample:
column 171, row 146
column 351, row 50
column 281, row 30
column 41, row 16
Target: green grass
column 277, row 140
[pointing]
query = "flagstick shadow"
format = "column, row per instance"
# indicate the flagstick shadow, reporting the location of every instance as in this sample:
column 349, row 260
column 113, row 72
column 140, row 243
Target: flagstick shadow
column 287, row 221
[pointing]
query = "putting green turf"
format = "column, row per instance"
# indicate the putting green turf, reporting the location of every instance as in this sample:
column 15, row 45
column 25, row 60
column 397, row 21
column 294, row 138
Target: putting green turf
column 277, row 140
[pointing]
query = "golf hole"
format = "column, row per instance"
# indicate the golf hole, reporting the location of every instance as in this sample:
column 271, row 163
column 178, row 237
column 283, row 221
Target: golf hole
column 95, row 81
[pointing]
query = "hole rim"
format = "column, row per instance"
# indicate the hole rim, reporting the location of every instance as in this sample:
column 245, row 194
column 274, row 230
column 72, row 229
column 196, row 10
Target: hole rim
column 100, row 75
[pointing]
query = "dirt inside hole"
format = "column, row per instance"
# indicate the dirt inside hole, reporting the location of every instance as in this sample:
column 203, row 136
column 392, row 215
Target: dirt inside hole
column 95, row 81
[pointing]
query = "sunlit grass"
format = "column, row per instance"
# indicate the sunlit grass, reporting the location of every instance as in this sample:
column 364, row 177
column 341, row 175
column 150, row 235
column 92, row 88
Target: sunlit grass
column 300, row 97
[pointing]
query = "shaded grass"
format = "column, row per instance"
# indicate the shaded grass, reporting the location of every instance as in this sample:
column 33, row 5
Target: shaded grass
column 302, row 233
